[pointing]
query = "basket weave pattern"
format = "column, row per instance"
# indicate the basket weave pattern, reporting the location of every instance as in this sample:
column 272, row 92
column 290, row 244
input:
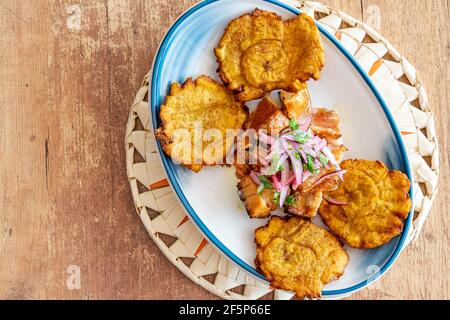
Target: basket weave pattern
column 165, row 219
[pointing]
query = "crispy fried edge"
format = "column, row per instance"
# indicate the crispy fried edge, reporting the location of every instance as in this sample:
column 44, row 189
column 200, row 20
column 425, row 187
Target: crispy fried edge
column 317, row 44
column 176, row 87
column 257, row 93
column 251, row 215
column 239, row 96
column 289, row 209
column 285, row 219
column 364, row 245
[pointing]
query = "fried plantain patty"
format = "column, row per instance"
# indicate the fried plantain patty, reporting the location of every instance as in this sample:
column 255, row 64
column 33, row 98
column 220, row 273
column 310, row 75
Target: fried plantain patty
column 259, row 52
column 206, row 102
column 296, row 255
column 377, row 204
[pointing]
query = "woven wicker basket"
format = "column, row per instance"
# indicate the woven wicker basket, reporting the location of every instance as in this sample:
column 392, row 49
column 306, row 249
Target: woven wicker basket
column 167, row 222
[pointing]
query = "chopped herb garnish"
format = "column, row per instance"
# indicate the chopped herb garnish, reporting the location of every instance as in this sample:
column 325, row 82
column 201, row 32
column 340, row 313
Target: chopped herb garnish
column 276, row 197
column 290, row 200
column 323, row 160
column 265, row 182
column 290, row 146
column 274, row 164
column 280, row 168
column 297, row 155
column 301, row 137
column 310, row 165
column 293, row 124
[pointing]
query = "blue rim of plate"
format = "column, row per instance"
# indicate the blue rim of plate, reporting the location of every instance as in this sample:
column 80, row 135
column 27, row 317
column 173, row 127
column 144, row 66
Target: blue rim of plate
column 155, row 103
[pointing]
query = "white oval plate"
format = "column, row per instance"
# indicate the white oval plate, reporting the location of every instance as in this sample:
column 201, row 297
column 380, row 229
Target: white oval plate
column 210, row 197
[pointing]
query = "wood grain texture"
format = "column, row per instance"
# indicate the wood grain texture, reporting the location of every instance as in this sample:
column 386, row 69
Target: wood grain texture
column 66, row 85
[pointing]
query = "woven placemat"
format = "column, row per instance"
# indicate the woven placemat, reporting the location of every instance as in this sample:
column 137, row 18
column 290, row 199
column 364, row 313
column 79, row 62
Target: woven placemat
column 166, row 220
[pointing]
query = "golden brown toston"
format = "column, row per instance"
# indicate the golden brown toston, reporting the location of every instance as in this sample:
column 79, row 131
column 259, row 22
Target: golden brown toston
column 205, row 102
column 296, row 255
column 373, row 203
column 259, row 52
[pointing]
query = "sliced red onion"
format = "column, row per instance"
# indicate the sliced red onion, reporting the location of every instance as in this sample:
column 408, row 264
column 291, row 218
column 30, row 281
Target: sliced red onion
column 297, row 167
column 334, row 201
column 316, row 140
column 283, row 195
column 273, row 169
column 289, row 137
column 266, row 139
column 275, row 164
column 263, row 161
column 317, row 164
column 283, row 152
column 291, row 178
column 309, row 149
column 306, row 175
column 305, row 122
column 275, row 149
column 312, row 153
column 276, row 183
column 255, row 177
column 327, row 176
column 285, row 145
column 296, row 164
column 322, row 145
column 285, row 174
column 283, row 158
column 318, row 144
column 303, row 154
column 290, row 143
column 308, row 145
column 327, row 153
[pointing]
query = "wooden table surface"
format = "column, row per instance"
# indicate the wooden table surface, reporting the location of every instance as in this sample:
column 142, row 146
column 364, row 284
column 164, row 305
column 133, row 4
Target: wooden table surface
column 69, row 70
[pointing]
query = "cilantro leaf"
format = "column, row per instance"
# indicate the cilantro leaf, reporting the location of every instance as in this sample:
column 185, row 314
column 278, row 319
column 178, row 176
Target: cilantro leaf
column 265, row 182
column 293, row 124
column 323, row 160
column 310, row 164
column 276, row 197
column 301, row 137
column 290, row 200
